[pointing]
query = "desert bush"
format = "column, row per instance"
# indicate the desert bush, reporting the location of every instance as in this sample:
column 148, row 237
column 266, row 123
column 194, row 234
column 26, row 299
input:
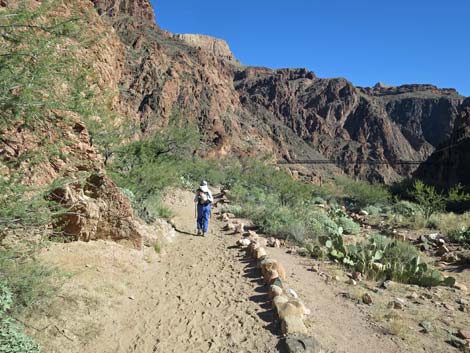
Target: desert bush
column 317, row 200
column 32, row 284
column 406, row 208
column 363, row 193
column 427, row 198
column 281, row 222
column 237, row 210
column 12, row 340
column 458, row 200
column 26, row 285
column 319, row 224
column 461, row 235
column 449, row 223
column 373, row 210
column 348, row 225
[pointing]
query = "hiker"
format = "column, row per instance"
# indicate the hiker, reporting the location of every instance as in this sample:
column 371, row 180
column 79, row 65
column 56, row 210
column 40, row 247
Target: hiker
column 204, row 199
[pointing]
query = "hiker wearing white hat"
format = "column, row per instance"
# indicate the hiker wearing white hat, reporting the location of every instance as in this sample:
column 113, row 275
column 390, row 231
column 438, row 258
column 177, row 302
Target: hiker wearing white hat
column 203, row 199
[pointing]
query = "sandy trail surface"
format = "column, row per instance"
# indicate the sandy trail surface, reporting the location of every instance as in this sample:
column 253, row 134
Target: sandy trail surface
column 197, row 301
column 199, row 295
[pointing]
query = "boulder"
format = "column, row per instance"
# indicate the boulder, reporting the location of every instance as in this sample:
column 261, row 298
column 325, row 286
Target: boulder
column 271, row 276
column 274, row 291
column 293, row 307
column 464, row 334
column 293, row 325
column 272, row 264
column 243, row 242
column 229, row 227
column 298, row 343
column 366, row 298
column 461, row 287
column 260, row 252
column 279, row 300
column 240, row 228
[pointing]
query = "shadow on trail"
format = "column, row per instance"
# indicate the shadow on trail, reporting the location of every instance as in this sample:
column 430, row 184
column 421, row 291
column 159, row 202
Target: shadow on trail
column 457, row 268
column 184, row 232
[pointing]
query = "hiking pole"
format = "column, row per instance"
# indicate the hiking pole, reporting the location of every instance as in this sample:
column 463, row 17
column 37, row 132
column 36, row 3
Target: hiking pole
column 195, row 215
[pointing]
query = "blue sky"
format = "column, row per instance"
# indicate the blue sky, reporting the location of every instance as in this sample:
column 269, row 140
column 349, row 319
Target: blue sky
column 366, row 41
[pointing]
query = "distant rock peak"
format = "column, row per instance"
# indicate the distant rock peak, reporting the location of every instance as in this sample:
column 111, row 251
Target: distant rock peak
column 215, row 46
column 380, row 89
column 381, row 85
column 137, row 9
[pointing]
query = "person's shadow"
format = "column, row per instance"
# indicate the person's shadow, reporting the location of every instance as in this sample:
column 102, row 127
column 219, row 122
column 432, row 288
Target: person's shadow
column 184, row 232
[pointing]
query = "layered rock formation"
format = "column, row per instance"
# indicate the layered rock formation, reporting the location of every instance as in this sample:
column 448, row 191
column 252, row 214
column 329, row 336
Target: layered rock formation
column 95, row 207
column 450, row 163
column 289, row 113
column 215, row 46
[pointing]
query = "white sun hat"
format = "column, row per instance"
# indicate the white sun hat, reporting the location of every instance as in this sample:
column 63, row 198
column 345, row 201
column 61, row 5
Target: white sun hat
column 203, row 186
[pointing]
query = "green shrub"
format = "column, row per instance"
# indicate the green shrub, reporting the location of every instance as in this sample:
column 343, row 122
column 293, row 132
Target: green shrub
column 363, row 193
column 461, row 235
column 428, row 198
column 237, row 210
column 279, row 221
column 348, row 225
column 373, row 210
column 25, row 284
column 448, row 222
column 12, row 340
column 406, row 208
column 31, row 283
column 320, row 224
column 318, row 201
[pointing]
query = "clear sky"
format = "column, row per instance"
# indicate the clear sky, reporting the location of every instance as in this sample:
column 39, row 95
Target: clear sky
column 365, row 41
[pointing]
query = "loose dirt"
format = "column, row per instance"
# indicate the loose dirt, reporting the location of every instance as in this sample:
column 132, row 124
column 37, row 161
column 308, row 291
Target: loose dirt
column 195, row 297
column 198, row 295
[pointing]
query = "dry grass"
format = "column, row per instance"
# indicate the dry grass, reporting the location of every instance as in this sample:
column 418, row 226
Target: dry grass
column 448, row 222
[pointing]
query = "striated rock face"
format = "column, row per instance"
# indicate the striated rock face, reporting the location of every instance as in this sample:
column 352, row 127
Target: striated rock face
column 215, row 46
column 96, row 210
column 450, row 163
column 139, row 10
column 288, row 113
column 345, row 124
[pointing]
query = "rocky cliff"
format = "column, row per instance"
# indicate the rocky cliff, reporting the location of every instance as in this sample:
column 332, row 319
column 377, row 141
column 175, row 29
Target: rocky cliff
column 450, row 163
column 217, row 47
column 61, row 148
column 289, row 113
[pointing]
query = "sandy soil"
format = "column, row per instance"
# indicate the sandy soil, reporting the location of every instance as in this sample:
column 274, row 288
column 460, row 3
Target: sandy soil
column 193, row 298
column 204, row 295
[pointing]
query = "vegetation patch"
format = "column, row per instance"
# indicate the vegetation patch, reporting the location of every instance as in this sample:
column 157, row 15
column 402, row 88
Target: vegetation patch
column 26, row 286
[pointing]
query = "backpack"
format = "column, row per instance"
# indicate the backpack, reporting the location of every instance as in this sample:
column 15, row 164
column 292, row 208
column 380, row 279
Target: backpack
column 203, row 197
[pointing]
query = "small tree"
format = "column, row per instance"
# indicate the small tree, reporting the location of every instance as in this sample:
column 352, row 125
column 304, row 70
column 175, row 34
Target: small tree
column 428, row 198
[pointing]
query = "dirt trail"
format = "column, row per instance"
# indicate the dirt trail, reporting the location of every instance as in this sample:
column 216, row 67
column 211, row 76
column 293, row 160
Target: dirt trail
column 201, row 295
column 197, row 301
